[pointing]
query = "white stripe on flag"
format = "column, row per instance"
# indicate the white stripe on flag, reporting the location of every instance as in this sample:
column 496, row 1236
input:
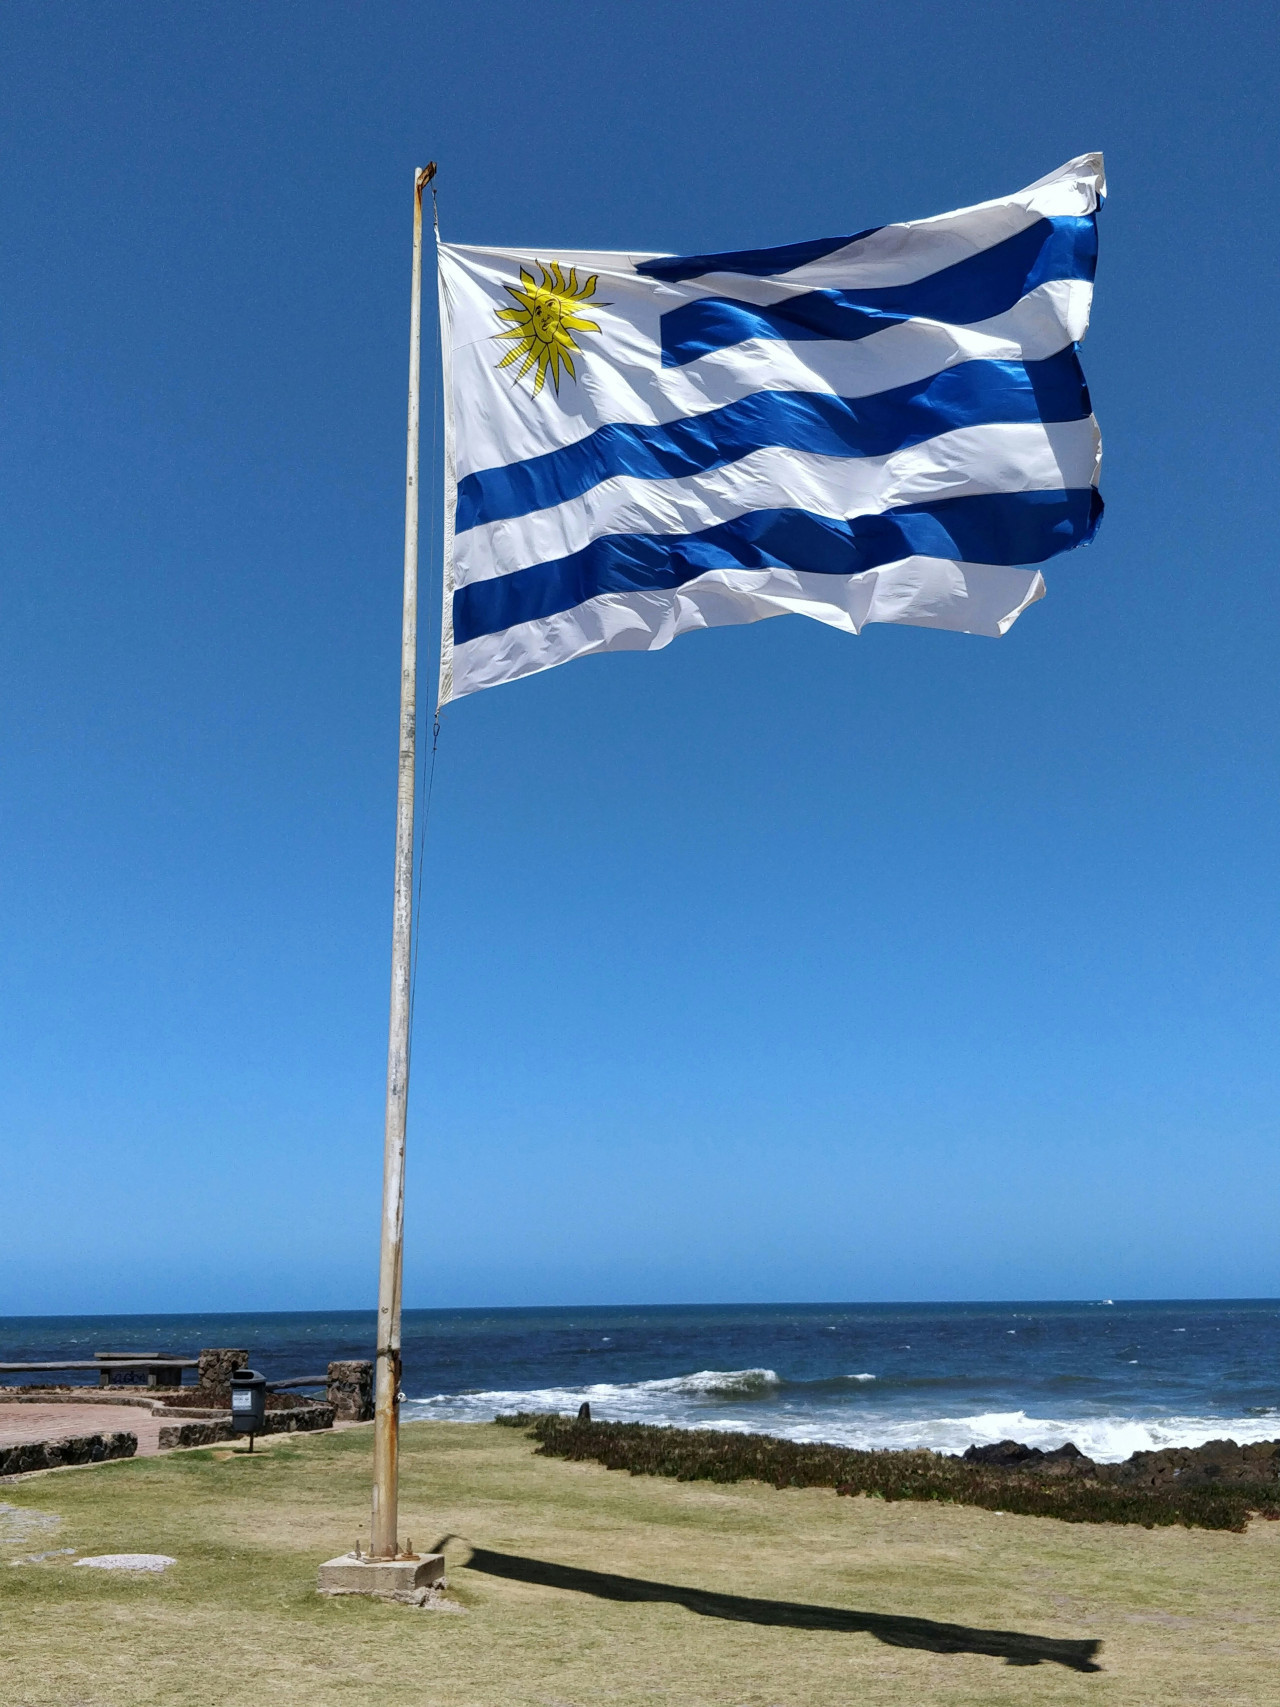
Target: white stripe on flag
column 1045, row 321
column 926, row 592
column 1030, row 457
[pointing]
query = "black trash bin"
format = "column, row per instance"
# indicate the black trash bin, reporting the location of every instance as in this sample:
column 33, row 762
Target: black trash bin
column 248, row 1402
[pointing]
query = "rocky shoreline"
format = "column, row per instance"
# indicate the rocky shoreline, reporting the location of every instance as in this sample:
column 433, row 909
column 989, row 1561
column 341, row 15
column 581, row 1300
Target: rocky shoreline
column 1216, row 1463
column 1220, row 1485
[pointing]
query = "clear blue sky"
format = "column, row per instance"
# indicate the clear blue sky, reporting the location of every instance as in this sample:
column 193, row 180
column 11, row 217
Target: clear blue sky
column 777, row 965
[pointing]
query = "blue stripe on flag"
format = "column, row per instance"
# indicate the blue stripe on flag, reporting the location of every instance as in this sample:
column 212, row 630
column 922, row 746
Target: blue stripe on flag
column 1002, row 527
column 974, row 289
column 756, row 263
column 977, row 393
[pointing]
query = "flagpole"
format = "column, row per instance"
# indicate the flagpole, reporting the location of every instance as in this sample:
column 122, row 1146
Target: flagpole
column 384, row 1539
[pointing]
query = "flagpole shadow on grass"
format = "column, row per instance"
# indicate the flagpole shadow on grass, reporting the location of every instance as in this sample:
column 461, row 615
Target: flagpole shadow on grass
column 1015, row 1647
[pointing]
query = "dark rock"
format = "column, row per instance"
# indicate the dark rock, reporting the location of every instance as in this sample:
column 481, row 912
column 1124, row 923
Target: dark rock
column 1004, row 1453
column 1217, row 1461
column 1065, row 1460
column 584, row 1412
column 1183, row 1467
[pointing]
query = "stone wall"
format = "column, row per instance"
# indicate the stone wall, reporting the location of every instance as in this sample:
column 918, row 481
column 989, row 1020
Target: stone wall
column 217, row 1365
column 210, row 1433
column 195, row 1434
column 350, row 1390
column 300, row 1421
column 27, row 1455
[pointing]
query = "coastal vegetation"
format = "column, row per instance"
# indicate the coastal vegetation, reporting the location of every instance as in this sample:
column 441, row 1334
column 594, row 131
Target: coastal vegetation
column 1209, row 1488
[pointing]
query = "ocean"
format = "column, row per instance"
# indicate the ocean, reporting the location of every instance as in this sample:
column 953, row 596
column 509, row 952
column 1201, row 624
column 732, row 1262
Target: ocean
column 1115, row 1377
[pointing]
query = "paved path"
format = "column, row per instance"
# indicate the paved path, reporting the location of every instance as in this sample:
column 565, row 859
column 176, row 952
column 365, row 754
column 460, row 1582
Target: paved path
column 20, row 1423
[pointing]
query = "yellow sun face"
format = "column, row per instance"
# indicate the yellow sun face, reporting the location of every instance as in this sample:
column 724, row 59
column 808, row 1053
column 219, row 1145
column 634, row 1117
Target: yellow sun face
column 544, row 323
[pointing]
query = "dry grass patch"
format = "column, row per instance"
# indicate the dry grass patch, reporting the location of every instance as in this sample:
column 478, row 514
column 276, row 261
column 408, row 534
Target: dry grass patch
column 586, row 1586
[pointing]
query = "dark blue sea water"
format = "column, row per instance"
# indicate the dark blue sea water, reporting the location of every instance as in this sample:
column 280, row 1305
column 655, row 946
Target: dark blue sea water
column 1113, row 1377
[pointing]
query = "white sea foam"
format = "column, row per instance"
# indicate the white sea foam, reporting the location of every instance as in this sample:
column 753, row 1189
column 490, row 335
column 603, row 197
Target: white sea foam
column 1108, row 1439
column 757, row 1401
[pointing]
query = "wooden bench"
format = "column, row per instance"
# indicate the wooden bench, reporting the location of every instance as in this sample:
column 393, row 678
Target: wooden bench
column 140, row 1368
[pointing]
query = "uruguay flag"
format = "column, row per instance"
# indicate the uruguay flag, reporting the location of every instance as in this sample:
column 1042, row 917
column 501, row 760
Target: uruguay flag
column 889, row 427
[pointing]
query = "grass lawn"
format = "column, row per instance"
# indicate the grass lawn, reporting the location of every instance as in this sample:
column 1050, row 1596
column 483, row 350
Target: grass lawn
column 583, row 1586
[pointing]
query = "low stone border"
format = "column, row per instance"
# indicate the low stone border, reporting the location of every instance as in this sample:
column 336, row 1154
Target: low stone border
column 28, row 1455
column 77, row 1396
column 195, row 1434
column 101, row 1396
column 212, row 1433
column 294, row 1422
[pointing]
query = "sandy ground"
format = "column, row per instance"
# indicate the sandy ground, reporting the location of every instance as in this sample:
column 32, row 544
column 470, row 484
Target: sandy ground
column 21, row 1423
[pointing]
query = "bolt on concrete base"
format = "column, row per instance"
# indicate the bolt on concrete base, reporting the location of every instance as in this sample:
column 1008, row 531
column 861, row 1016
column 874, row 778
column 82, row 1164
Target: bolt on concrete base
column 387, row 1579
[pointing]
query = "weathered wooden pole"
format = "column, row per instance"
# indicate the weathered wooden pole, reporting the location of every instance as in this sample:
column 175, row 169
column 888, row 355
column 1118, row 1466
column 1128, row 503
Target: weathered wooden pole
column 384, row 1541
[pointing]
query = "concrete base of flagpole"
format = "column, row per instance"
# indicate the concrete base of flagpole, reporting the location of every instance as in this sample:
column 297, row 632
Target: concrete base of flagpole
column 385, row 1579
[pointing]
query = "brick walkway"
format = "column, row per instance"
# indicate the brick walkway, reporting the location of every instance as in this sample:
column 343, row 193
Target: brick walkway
column 20, row 1423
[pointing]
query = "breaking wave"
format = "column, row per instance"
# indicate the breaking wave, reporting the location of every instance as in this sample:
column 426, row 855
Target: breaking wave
column 730, row 1383
column 759, row 1401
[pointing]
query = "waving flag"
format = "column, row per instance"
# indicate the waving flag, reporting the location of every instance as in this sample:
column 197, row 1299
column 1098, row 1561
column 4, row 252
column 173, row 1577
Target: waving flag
column 888, row 427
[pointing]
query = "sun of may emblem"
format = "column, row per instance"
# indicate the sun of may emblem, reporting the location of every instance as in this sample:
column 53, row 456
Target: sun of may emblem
column 545, row 322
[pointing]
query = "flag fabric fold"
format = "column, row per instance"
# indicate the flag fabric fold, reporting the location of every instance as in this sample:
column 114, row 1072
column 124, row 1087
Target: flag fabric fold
column 888, row 427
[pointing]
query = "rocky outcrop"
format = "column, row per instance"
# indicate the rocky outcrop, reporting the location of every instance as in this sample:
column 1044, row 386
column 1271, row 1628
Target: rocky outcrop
column 1199, row 1466
column 1065, row 1460
column 1216, row 1462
